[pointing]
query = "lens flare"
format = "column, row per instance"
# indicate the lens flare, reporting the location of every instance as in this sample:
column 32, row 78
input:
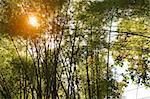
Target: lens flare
column 33, row 21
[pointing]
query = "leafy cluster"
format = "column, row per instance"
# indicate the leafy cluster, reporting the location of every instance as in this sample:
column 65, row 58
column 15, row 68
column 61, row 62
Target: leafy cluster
column 69, row 55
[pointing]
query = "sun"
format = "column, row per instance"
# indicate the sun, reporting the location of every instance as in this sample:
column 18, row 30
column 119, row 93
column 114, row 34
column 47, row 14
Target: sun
column 33, row 21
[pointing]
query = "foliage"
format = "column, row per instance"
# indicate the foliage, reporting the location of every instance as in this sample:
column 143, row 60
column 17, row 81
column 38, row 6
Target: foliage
column 13, row 11
column 68, row 56
column 134, row 49
column 8, row 86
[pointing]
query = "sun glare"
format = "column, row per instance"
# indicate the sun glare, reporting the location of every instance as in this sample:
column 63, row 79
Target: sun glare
column 33, row 21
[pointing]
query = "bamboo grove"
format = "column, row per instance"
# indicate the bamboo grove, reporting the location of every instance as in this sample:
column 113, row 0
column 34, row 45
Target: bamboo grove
column 69, row 56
